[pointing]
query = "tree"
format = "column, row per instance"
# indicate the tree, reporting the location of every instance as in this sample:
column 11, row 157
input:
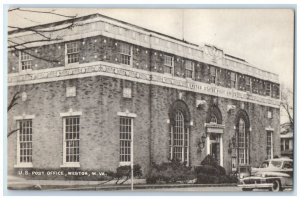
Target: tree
column 286, row 104
column 41, row 34
column 13, row 102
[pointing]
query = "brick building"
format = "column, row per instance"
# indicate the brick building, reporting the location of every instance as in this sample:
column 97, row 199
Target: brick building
column 84, row 95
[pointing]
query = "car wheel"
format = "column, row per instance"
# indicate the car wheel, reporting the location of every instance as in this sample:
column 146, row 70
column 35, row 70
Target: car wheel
column 276, row 186
column 247, row 189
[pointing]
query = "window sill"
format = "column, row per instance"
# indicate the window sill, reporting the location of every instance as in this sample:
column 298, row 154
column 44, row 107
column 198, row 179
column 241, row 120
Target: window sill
column 124, row 163
column 168, row 75
column 25, row 71
column 23, row 165
column 125, row 65
column 72, row 64
column 70, row 165
column 189, row 79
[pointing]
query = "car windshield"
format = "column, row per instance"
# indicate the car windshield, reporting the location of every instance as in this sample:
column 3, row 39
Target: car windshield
column 276, row 163
column 264, row 164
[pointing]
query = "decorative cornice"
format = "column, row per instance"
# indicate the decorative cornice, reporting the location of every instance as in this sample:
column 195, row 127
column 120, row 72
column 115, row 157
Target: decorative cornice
column 116, row 71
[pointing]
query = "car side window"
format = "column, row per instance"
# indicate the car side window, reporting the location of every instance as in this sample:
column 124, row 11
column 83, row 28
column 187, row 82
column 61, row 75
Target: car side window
column 276, row 163
column 287, row 165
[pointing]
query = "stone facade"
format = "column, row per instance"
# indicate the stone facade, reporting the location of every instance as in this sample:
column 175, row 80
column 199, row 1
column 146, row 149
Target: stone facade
column 99, row 78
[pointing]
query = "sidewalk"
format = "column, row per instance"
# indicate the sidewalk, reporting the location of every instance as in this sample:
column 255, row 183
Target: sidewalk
column 17, row 183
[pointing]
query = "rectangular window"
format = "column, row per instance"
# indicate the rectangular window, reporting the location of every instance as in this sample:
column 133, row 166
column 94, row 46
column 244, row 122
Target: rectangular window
column 268, row 89
column 233, row 80
column 168, row 64
column 248, row 83
column 125, row 51
column 275, row 91
column 26, row 61
column 125, row 139
column 72, row 52
column 213, row 75
column 287, row 144
column 25, row 141
column 189, row 69
column 71, row 139
column 269, row 145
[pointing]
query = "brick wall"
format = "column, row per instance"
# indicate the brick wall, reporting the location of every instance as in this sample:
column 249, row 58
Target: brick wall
column 101, row 48
column 100, row 98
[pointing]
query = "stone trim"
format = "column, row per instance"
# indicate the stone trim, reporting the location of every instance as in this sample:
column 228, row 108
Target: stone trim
column 126, row 114
column 71, row 165
column 24, row 116
column 70, row 113
column 23, row 165
column 160, row 43
column 269, row 129
column 116, row 71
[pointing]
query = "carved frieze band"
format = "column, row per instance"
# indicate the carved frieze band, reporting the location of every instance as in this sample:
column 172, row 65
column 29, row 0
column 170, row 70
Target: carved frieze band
column 129, row 73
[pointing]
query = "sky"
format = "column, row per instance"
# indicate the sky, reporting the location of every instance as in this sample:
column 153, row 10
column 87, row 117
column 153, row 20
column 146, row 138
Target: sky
column 263, row 37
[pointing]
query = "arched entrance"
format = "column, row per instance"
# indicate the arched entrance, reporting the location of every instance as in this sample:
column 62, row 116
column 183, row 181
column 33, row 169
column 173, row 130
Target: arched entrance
column 214, row 134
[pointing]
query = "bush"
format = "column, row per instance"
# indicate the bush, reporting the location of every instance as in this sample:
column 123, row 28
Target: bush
column 170, row 172
column 209, row 160
column 210, row 172
column 207, row 179
column 125, row 171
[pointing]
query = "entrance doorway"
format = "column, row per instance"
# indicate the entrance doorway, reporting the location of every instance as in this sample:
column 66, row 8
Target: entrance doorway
column 215, row 146
column 214, row 141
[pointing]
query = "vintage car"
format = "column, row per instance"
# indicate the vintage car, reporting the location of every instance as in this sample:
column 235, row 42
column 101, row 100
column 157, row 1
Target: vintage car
column 273, row 174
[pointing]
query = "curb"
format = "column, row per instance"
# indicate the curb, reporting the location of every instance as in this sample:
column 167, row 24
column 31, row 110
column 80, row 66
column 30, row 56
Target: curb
column 115, row 187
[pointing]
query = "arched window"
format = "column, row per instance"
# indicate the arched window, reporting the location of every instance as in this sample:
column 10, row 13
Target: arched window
column 243, row 147
column 179, row 138
column 213, row 119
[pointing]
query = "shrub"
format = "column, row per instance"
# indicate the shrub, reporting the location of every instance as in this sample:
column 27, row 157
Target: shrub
column 209, row 160
column 170, row 172
column 210, row 172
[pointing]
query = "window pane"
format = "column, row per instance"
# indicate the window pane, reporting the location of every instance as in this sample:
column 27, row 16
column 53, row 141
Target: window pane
column 125, row 51
column 125, row 138
column 72, row 139
column 26, row 61
column 73, row 52
column 25, row 135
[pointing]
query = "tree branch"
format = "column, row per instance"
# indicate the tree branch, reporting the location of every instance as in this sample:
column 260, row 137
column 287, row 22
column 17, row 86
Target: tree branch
column 40, row 30
column 44, row 12
column 34, row 56
column 29, row 42
column 33, row 30
column 13, row 101
column 10, row 10
column 11, row 132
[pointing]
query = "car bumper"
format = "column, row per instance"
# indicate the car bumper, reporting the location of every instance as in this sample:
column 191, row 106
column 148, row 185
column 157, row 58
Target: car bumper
column 256, row 186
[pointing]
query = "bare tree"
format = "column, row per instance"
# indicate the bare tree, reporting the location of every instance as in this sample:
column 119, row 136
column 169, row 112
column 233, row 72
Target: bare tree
column 286, row 103
column 42, row 34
